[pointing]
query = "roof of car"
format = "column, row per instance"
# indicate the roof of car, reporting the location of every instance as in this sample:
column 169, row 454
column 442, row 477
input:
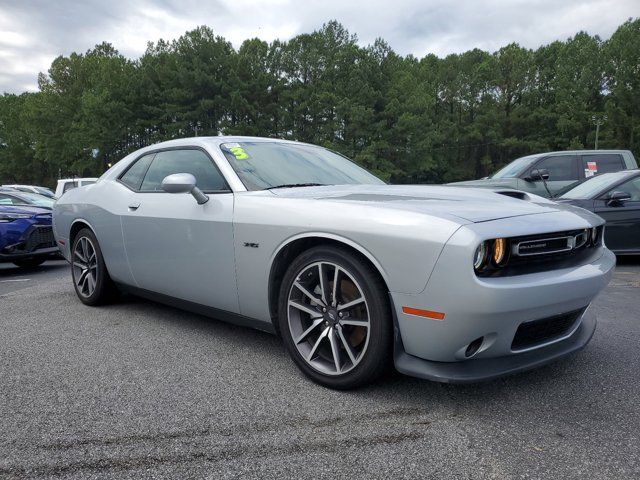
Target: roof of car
column 581, row 152
column 77, row 179
column 217, row 140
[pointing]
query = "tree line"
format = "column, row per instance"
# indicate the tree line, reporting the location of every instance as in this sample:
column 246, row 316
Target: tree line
column 407, row 119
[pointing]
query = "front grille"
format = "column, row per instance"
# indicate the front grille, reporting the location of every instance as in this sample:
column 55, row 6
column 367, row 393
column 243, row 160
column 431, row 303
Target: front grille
column 537, row 332
column 39, row 237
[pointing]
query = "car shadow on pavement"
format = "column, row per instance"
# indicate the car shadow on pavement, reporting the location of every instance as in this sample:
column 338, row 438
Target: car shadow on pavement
column 622, row 260
column 391, row 386
column 11, row 270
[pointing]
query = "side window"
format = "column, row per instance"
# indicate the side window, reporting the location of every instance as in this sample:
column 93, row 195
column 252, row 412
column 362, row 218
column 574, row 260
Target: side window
column 195, row 162
column 68, row 186
column 6, row 200
column 601, row 163
column 135, row 173
column 561, row 167
column 632, row 187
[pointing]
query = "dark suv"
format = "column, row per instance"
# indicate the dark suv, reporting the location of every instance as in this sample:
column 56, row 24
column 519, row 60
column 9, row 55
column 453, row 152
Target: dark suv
column 558, row 170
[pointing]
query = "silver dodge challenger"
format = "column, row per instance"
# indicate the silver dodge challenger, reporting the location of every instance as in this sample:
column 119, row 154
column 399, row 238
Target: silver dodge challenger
column 445, row 283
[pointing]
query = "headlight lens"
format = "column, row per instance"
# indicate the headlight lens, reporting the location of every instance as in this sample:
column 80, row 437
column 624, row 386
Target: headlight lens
column 10, row 217
column 491, row 254
column 480, row 257
column 594, row 235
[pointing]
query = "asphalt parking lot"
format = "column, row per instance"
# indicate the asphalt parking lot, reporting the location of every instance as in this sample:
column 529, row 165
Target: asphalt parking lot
column 139, row 390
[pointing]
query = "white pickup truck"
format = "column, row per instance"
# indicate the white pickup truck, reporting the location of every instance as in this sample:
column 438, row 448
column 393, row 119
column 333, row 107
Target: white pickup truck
column 67, row 184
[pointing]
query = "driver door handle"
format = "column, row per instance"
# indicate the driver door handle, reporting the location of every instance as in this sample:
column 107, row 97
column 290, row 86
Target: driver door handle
column 134, row 206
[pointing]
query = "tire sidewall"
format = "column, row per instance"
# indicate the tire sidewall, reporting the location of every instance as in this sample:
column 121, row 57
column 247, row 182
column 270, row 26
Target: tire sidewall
column 377, row 356
column 100, row 292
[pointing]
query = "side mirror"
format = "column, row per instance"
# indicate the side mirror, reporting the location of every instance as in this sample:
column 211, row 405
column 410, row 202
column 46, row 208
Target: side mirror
column 539, row 174
column 617, row 198
column 184, row 183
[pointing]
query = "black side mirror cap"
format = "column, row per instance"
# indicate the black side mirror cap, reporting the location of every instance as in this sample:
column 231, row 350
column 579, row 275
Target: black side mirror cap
column 539, row 174
column 617, row 198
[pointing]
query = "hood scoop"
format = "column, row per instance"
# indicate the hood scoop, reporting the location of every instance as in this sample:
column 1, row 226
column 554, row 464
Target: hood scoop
column 514, row 194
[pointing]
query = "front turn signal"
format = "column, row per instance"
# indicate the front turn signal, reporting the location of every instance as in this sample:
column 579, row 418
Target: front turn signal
column 499, row 251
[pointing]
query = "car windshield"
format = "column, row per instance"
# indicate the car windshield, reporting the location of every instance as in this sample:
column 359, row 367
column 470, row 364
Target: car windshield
column 44, row 191
column 36, row 199
column 592, row 186
column 265, row 165
column 514, row 168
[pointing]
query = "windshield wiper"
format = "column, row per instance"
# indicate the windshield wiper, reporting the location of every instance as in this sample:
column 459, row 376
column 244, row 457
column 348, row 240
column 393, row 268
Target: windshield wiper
column 292, row 185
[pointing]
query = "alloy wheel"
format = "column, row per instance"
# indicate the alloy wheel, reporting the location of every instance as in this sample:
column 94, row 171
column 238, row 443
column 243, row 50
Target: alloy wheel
column 85, row 267
column 328, row 318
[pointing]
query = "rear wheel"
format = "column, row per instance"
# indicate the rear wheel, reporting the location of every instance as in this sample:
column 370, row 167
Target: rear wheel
column 335, row 318
column 29, row 262
column 88, row 270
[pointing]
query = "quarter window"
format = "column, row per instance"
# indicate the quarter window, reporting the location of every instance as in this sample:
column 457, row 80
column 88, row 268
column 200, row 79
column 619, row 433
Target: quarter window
column 192, row 161
column 134, row 175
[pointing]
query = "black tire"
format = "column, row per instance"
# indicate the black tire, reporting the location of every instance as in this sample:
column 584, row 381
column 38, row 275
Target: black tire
column 376, row 358
column 30, row 262
column 105, row 290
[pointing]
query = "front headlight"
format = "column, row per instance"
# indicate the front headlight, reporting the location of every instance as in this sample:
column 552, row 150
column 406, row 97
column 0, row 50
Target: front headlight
column 491, row 254
column 10, row 217
column 480, row 258
column 594, row 235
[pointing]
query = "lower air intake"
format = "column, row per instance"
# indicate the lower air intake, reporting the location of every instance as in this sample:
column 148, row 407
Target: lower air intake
column 537, row 332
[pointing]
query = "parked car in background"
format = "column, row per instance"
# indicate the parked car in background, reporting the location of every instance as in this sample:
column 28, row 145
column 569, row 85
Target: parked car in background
column 616, row 198
column 11, row 197
column 547, row 174
column 449, row 284
column 66, row 184
column 31, row 188
column 26, row 237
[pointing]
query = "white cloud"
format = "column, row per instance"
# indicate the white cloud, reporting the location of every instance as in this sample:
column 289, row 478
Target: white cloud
column 33, row 32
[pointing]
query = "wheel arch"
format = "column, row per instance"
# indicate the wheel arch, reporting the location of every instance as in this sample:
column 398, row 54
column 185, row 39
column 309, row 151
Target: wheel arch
column 292, row 247
column 76, row 226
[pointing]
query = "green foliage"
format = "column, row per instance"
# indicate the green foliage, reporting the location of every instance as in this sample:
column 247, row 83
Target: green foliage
column 408, row 120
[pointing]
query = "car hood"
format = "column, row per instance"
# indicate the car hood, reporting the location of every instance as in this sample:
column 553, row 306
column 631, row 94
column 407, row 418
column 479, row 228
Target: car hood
column 487, row 182
column 470, row 204
column 578, row 202
column 25, row 209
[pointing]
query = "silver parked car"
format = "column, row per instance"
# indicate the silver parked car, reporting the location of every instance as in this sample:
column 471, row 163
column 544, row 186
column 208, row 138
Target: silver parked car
column 449, row 284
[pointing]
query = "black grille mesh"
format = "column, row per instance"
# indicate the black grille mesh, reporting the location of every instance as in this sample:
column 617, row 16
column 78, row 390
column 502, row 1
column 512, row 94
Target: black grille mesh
column 40, row 237
column 530, row 334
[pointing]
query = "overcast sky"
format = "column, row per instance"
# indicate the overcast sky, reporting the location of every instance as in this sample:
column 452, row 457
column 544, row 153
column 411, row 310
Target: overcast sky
column 34, row 32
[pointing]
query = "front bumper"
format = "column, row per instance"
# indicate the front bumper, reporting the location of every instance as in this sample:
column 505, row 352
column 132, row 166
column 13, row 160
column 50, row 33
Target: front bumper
column 43, row 252
column 490, row 311
column 35, row 241
column 481, row 369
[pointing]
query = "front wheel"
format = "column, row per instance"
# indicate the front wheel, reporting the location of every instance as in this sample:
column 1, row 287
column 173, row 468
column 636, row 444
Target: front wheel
column 90, row 276
column 335, row 318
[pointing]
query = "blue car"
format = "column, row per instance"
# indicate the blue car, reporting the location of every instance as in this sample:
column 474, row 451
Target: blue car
column 26, row 236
